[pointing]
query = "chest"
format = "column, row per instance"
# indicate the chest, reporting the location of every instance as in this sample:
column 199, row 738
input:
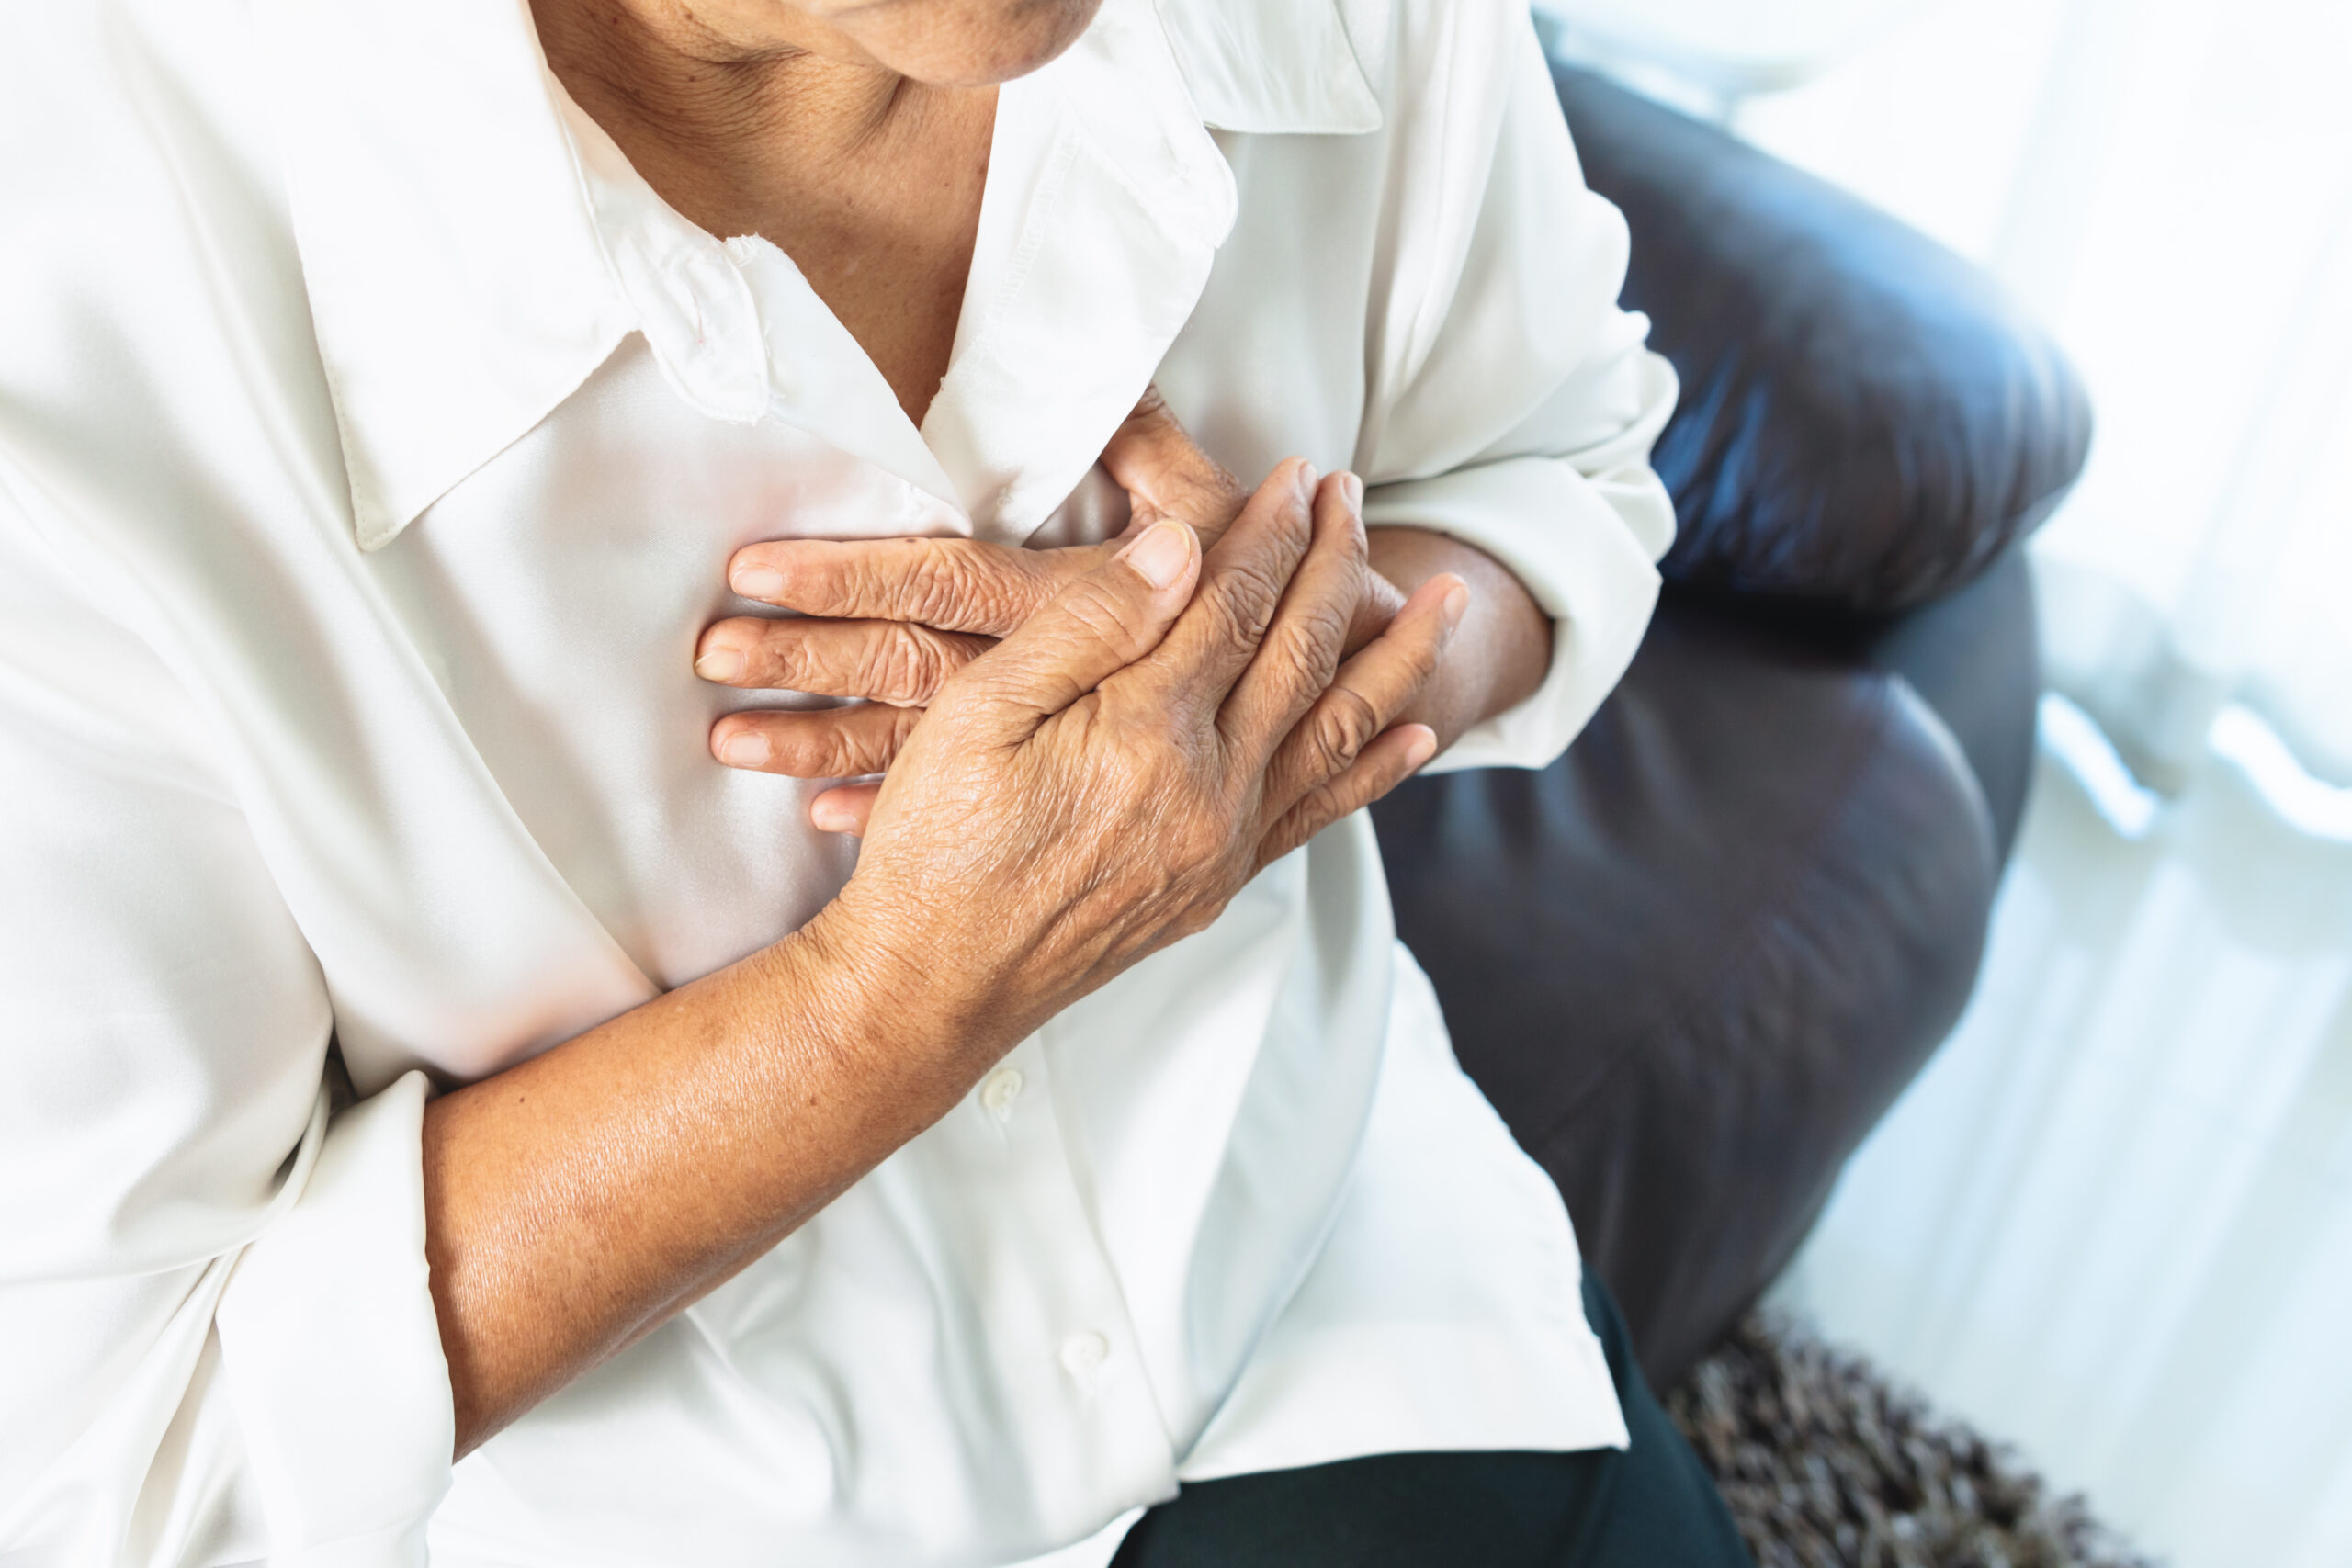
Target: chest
column 550, row 600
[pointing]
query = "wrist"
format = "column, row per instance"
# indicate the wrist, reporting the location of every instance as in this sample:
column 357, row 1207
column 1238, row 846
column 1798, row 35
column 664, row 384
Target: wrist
column 1499, row 654
column 896, row 1022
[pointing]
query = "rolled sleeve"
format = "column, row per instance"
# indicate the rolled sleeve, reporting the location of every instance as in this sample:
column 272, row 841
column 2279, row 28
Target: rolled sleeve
column 1515, row 407
column 217, row 1339
column 1567, row 540
column 332, row 1352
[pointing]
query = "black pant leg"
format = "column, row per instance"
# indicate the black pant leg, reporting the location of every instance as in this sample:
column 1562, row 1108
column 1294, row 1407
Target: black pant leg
column 1650, row 1506
column 1654, row 1505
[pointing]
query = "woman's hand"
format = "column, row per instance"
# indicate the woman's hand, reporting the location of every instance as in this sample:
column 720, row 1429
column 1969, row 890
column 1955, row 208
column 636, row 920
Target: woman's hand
column 890, row 620
column 1103, row 781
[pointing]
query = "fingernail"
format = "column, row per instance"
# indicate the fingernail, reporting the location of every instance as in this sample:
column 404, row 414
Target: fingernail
column 1161, row 554
column 744, row 749
column 1422, row 747
column 754, row 581
column 1457, row 603
column 831, row 819
column 719, row 664
column 1307, row 480
column 1354, row 487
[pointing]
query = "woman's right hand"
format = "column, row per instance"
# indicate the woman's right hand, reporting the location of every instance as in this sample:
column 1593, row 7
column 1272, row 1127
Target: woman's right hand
column 1103, row 781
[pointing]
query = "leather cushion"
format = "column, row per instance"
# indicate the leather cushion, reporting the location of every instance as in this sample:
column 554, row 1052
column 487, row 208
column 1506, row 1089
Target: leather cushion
column 1866, row 419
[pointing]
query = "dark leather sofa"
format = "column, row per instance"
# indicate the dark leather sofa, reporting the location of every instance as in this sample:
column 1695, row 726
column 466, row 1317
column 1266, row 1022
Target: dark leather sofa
column 1695, row 960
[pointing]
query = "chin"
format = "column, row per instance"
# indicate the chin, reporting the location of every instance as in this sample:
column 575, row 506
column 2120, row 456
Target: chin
column 966, row 43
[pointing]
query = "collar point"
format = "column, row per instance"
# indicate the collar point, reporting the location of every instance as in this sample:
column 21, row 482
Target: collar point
column 376, row 519
column 374, row 533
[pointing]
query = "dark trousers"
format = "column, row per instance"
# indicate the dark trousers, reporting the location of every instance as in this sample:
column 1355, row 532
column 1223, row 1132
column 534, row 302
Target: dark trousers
column 1651, row 1505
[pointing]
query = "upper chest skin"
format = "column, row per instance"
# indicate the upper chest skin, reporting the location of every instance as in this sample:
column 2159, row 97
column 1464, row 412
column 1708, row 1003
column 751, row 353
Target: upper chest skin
column 878, row 204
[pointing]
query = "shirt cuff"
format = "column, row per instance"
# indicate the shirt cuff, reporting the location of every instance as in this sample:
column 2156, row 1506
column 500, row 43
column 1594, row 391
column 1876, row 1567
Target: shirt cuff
column 334, row 1352
column 1573, row 543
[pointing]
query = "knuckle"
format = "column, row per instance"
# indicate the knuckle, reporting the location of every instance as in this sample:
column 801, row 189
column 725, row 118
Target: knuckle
column 1203, row 914
column 804, row 751
column 940, row 584
column 1302, row 660
column 1229, row 625
column 1323, row 805
column 1241, row 601
column 1322, row 633
column 1200, row 485
column 1345, row 725
column 791, row 656
column 860, row 582
column 1311, row 668
column 904, row 664
column 1024, row 580
column 1298, row 825
column 1199, row 842
column 900, row 729
column 965, row 585
column 842, row 743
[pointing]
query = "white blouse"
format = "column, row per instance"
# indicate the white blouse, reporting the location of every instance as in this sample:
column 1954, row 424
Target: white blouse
column 372, row 443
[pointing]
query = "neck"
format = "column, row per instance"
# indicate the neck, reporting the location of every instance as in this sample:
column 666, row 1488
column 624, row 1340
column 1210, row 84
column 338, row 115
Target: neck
column 869, row 179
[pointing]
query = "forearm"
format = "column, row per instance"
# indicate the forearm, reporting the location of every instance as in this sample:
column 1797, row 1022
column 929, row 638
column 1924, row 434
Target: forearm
column 576, row 1201
column 579, row 1200
column 1498, row 654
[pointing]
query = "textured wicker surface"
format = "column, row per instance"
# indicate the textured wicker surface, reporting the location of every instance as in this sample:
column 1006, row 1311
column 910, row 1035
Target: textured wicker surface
column 1826, row 1465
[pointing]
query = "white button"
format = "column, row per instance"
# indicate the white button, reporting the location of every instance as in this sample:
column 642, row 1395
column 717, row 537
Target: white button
column 999, row 1089
column 1083, row 1353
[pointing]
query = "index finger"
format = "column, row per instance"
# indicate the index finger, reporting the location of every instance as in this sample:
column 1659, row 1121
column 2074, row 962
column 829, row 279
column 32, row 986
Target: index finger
column 952, row 585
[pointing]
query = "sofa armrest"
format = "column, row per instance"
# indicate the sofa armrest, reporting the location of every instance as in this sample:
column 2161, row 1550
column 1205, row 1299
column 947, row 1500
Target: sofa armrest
column 1866, row 420
column 1693, row 960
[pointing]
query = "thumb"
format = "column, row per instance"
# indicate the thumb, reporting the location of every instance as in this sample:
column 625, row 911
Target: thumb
column 1093, row 628
column 1163, row 469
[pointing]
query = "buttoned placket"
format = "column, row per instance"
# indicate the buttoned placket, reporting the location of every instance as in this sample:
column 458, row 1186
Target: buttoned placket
column 1059, row 1308
column 1055, row 1318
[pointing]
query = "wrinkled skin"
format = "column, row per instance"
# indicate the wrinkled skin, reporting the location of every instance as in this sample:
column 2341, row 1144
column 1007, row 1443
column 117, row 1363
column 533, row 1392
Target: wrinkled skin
column 891, row 621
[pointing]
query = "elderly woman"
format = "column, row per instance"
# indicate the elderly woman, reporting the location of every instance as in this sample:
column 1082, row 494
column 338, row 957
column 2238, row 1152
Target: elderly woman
column 492, row 1072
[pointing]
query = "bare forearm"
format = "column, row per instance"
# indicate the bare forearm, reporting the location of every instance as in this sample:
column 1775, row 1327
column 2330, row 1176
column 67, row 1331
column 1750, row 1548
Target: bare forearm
column 1501, row 649
column 579, row 1200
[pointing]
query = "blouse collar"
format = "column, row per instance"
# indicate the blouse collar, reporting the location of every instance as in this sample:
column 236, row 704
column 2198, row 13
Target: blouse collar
column 463, row 280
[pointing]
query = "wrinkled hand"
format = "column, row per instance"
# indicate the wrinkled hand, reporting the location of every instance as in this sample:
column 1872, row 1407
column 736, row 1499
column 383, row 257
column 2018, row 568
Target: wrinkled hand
column 890, row 620
column 1101, row 782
